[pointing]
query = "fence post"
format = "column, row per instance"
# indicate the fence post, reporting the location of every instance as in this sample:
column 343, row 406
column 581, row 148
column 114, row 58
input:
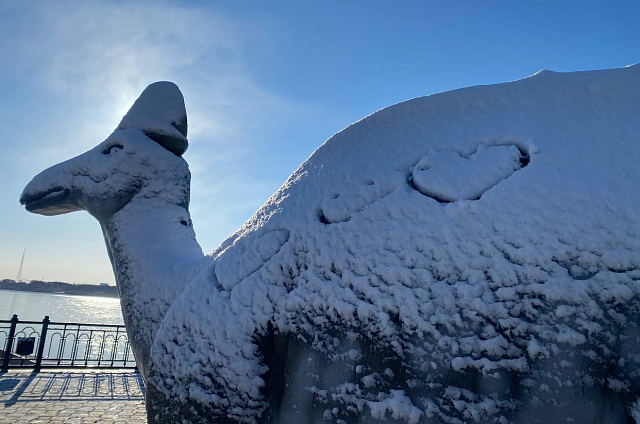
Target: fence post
column 43, row 339
column 7, row 351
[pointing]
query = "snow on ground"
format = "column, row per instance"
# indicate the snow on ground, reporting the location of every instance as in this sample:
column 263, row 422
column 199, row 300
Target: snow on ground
column 483, row 242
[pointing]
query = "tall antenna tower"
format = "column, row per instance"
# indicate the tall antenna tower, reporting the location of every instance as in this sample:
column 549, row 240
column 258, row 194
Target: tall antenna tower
column 19, row 277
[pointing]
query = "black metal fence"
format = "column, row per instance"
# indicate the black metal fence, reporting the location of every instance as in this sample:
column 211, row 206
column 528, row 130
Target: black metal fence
column 48, row 344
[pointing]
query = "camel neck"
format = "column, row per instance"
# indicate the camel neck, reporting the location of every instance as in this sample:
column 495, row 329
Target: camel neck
column 154, row 254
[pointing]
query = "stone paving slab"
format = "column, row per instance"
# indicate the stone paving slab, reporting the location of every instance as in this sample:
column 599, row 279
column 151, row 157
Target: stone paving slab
column 71, row 396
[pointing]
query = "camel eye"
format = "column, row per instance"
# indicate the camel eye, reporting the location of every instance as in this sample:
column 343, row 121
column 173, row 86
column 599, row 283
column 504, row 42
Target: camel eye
column 109, row 149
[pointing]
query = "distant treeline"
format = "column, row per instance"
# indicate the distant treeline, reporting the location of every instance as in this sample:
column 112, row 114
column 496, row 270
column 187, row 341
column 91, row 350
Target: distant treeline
column 59, row 287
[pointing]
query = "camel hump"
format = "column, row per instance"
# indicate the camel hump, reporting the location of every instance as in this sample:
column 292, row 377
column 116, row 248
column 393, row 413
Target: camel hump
column 161, row 114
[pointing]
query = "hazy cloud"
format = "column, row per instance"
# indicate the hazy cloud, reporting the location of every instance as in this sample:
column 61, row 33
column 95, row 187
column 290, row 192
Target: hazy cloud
column 88, row 61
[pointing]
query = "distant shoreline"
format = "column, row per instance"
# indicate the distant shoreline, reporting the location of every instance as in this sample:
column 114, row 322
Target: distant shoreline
column 58, row 287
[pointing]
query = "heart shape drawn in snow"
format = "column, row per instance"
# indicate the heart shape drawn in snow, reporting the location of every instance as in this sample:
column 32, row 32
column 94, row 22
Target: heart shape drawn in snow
column 448, row 176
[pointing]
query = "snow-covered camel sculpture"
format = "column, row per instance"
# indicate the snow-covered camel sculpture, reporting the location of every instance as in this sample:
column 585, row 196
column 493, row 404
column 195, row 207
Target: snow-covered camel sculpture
column 471, row 256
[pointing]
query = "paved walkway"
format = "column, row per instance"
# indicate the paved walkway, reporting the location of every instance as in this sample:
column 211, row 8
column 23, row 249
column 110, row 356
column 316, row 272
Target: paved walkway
column 71, row 396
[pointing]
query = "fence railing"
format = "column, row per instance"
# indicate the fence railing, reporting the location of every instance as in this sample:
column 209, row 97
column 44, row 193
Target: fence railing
column 48, row 344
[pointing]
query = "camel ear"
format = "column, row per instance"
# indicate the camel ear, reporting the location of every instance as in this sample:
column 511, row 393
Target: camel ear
column 160, row 113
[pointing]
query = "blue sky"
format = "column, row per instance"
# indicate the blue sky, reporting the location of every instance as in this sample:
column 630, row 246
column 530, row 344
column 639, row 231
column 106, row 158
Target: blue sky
column 265, row 84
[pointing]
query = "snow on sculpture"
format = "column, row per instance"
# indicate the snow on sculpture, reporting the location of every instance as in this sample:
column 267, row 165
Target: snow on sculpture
column 137, row 186
column 471, row 256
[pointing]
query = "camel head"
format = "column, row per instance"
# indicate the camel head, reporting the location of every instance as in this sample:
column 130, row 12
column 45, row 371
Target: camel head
column 140, row 159
column 136, row 184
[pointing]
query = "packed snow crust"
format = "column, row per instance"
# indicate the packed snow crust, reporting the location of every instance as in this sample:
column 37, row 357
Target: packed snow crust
column 470, row 256
column 448, row 176
column 160, row 113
